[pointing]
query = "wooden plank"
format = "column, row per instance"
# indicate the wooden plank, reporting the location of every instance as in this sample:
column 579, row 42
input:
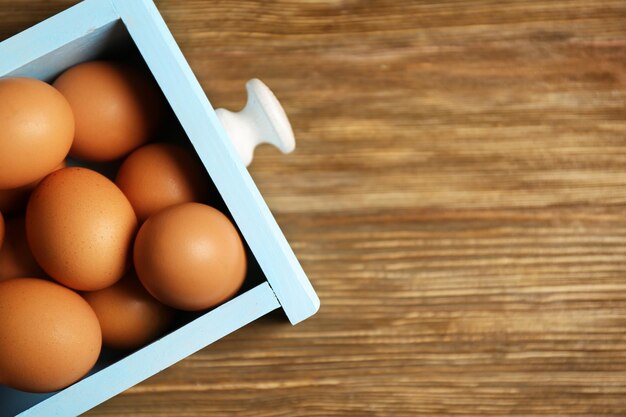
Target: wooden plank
column 457, row 197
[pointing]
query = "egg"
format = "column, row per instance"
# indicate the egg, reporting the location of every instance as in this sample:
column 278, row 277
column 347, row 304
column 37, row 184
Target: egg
column 190, row 257
column 14, row 200
column 49, row 336
column 160, row 175
column 117, row 108
column 37, row 130
column 80, row 228
column 16, row 259
column 129, row 317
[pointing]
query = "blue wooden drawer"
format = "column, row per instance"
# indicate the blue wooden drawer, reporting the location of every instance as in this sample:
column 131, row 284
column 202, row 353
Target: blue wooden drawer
column 95, row 28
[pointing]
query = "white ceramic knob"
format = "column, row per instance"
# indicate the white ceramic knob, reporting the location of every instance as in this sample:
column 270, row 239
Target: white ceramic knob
column 262, row 120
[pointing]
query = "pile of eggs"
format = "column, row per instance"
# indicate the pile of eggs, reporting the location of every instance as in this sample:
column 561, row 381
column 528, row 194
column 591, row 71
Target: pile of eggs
column 86, row 259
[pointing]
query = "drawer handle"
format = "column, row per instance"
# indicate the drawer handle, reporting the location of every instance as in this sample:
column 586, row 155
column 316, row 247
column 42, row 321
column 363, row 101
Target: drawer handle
column 262, row 120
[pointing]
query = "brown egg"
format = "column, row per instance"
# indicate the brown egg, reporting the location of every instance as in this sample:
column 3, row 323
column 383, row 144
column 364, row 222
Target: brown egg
column 16, row 259
column 129, row 317
column 160, row 175
column 14, row 200
column 190, row 257
column 37, row 128
column 80, row 228
column 49, row 336
column 117, row 108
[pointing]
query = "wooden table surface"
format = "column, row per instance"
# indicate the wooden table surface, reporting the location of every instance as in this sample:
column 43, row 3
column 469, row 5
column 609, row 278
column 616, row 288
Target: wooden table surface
column 457, row 197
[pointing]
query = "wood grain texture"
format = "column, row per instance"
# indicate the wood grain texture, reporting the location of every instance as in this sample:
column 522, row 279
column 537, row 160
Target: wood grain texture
column 457, row 197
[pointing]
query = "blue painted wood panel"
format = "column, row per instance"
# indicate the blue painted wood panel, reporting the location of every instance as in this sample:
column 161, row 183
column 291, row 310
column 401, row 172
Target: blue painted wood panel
column 157, row 356
column 185, row 95
column 75, row 35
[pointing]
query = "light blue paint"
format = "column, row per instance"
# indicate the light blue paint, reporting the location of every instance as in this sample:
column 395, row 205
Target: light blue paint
column 157, row 356
column 91, row 46
column 185, row 95
column 36, row 52
column 81, row 33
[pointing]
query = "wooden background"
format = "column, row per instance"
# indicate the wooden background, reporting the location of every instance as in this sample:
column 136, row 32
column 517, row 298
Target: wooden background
column 457, row 197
